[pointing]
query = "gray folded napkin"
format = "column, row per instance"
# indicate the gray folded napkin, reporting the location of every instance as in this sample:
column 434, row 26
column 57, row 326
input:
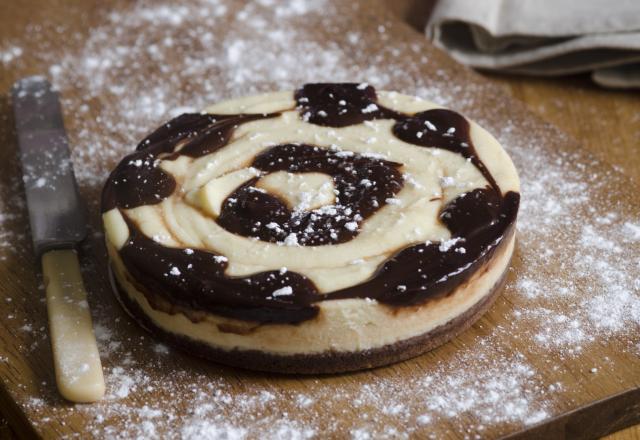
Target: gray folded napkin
column 543, row 37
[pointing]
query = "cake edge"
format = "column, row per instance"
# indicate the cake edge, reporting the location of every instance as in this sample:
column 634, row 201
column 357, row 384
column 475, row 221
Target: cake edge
column 328, row 362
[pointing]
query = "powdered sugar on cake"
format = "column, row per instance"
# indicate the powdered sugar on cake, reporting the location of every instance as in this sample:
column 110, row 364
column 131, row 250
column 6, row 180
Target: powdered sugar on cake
column 577, row 285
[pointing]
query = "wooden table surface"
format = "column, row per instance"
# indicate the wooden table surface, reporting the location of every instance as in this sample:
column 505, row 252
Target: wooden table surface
column 607, row 123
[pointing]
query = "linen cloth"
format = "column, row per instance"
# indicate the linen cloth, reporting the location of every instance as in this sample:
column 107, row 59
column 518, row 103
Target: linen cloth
column 543, row 37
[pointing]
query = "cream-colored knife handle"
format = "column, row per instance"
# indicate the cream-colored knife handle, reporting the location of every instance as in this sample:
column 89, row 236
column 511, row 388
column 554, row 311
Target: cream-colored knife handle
column 75, row 352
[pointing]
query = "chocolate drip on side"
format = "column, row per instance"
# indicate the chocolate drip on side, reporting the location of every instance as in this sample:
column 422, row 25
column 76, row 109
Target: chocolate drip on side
column 195, row 279
column 340, row 105
column 138, row 180
column 363, row 185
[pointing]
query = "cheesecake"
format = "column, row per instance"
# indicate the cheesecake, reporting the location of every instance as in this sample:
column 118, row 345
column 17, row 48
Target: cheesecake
column 327, row 229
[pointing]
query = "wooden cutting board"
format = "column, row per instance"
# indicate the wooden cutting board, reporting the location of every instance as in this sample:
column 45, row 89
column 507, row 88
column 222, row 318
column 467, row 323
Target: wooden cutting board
column 557, row 355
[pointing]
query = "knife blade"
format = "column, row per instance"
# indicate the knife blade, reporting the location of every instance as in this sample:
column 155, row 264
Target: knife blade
column 58, row 225
column 56, row 214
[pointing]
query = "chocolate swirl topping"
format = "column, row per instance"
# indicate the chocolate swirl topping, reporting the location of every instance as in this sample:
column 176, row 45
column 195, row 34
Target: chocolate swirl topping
column 202, row 284
column 138, row 180
column 340, row 105
column 478, row 220
column 442, row 128
column 362, row 184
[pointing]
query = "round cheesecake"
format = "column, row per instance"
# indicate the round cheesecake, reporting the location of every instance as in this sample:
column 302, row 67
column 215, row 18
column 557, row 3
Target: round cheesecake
column 326, row 229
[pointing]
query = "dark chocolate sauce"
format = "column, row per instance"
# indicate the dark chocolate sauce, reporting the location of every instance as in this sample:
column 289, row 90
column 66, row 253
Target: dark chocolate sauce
column 478, row 220
column 340, row 105
column 362, row 186
column 441, row 128
column 138, row 180
column 217, row 134
column 195, row 279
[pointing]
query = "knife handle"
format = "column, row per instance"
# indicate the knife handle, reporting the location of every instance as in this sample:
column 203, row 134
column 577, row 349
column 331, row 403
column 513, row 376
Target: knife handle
column 75, row 352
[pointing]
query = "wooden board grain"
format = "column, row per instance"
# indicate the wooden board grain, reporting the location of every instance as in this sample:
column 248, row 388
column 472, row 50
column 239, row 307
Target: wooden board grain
column 139, row 372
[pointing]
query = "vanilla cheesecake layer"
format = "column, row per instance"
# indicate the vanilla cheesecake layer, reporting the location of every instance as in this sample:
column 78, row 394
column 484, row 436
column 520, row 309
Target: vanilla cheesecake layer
column 349, row 325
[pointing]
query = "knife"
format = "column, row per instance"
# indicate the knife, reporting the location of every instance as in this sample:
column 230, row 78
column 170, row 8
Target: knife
column 58, row 225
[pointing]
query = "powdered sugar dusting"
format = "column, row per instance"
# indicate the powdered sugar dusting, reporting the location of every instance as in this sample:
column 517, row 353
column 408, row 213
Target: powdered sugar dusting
column 10, row 54
column 576, row 284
